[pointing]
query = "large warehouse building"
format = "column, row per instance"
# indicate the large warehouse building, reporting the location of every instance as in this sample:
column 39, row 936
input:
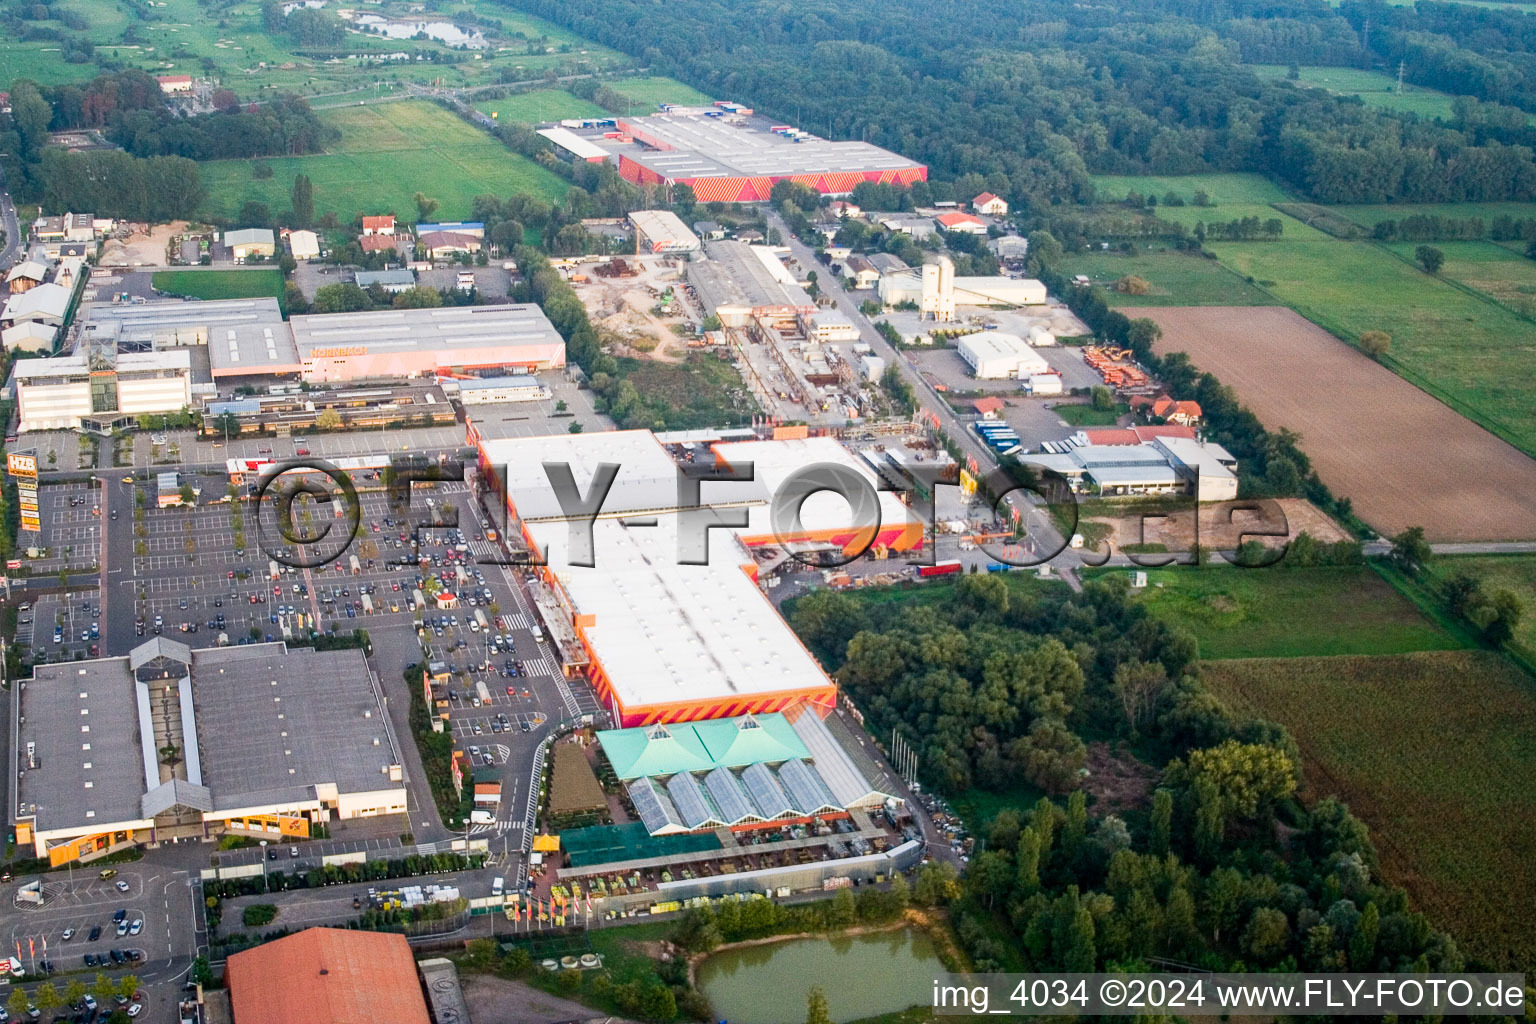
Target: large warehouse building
column 727, row 155
column 662, row 232
column 262, row 740
column 396, row 343
column 661, row 641
column 102, row 391
column 243, row 338
column 994, row 355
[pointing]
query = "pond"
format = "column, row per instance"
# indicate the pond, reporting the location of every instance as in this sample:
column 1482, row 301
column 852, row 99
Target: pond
column 442, row 31
column 863, row 975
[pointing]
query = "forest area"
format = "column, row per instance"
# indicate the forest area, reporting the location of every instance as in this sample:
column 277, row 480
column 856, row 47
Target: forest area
column 1041, row 95
column 1002, row 684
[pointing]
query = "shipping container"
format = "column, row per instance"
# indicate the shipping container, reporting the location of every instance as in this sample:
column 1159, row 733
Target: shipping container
column 357, row 567
column 948, row 568
column 272, row 570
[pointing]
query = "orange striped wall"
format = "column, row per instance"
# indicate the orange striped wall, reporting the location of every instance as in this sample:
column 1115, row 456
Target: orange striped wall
column 743, row 189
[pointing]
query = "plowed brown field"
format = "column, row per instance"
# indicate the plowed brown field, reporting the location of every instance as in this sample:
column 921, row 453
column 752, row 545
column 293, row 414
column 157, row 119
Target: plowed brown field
column 1402, row 457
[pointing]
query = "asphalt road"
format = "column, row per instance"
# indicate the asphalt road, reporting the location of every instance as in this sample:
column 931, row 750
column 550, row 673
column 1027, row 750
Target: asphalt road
column 12, row 226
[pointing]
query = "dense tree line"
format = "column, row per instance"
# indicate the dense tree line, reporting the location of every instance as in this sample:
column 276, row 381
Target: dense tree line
column 1045, row 93
column 111, row 183
column 1220, row 865
column 305, row 26
column 284, row 126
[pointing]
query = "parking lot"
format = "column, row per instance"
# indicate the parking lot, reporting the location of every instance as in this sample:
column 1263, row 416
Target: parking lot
column 70, row 515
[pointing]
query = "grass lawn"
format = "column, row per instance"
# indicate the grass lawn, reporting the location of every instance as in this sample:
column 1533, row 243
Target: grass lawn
column 540, row 105
column 1368, row 215
column 221, row 284
column 1177, row 279
column 1375, row 88
column 1472, row 353
column 1434, row 751
column 648, row 92
column 1509, row 572
column 1488, row 267
column 1087, row 416
column 1281, row 613
column 40, row 62
column 387, row 153
column 1223, row 189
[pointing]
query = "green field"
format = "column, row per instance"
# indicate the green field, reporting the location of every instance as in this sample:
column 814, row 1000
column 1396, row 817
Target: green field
column 180, row 35
column 41, row 63
column 1487, row 267
column 1232, row 197
column 540, row 105
column 1509, row 572
column 221, row 284
column 1282, row 613
column 1375, row 88
column 1177, row 279
column 387, row 153
column 647, row 92
column 1223, row 189
column 1434, row 752
column 1368, row 215
column 1458, row 346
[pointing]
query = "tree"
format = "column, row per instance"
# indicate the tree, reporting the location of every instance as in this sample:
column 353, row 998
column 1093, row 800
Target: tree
column 328, row 419
column 419, row 297
column 1430, row 258
column 1103, row 398
column 340, row 298
column 254, row 213
column 1267, row 935
column 224, row 99
column 188, row 496
column 1362, row 944
column 1162, row 822
column 17, row 1004
column 303, row 198
column 1132, row 284
column 1375, row 343
column 425, row 205
column 1410, row 551
column 74, row 993
column 46, row 997
column 1245, row 777
column 104, row 988
column 816, row 1011
column 841, row 912
column 574, row 428
column 1044, row 247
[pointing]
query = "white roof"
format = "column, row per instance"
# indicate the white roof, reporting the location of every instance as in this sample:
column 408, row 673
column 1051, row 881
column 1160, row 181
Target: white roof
column 989, row 345
column 773, row 462
column 574, row 144
column 30, row 330
column 49, row 299
column 30, row 269
column 249, row 236
column 663, row 227
column 664, row 632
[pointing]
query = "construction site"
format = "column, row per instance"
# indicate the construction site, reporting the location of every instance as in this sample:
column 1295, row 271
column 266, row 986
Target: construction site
column 638, row 306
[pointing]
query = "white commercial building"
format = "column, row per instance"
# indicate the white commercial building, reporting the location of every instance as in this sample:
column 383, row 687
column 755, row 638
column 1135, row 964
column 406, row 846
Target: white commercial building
column 1166, row 465
column 305, row 245
column 577, row 147
column 30, row 336
column 248, row 242
column 45, row 304
column 70, row 392
column 518, row 387
column 993, row 355
column 830, row 326
column 937, row 291
column 662, row 231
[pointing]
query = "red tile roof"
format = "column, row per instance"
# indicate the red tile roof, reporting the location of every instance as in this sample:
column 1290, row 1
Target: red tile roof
column 327, row 974
column 983, row 199
column 950, row 220
column 382, row 222
column 377, row 243
column 1136, row 435
column 986, row 405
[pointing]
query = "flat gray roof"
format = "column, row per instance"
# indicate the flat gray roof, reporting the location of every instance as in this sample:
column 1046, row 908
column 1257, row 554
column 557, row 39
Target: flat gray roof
column 397, row 330
column 242, row 335
column 82, row 722
column 708, row 147
column 733, row 275
column 273, row 722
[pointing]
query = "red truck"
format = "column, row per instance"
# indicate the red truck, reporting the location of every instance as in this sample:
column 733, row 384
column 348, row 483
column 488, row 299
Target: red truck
column 949, row 568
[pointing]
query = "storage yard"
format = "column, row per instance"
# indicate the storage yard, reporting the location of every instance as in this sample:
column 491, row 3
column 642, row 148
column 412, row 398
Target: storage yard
column 1402, row 457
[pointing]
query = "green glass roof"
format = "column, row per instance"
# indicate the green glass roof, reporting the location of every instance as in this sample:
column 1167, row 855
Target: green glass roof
column 662, row 750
